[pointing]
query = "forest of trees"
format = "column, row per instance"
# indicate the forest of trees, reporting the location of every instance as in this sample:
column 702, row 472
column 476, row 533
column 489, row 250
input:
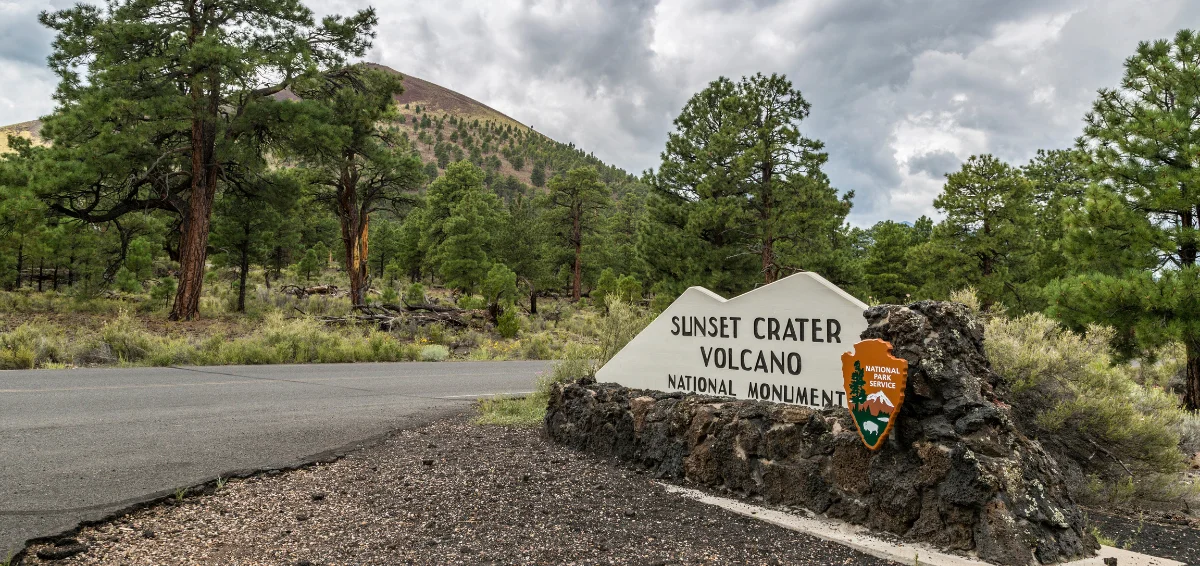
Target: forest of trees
column 204, row 167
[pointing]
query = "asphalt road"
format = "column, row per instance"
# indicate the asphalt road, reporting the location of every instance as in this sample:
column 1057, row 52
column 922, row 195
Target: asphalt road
column 79, row 444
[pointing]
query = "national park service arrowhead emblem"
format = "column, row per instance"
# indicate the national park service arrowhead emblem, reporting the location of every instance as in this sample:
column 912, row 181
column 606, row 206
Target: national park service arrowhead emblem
column 874, row 389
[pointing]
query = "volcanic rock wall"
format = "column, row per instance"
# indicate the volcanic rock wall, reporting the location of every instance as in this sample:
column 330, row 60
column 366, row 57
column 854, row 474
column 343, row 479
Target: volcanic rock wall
column 955, row 472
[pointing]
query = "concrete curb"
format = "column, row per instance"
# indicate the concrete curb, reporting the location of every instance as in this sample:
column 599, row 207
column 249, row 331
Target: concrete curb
column 857, row 537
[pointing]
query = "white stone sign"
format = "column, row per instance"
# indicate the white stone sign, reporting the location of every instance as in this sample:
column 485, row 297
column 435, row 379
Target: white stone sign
column 782, row 342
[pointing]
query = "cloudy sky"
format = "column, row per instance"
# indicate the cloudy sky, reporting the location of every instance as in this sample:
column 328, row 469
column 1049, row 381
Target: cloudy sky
column 902, row 91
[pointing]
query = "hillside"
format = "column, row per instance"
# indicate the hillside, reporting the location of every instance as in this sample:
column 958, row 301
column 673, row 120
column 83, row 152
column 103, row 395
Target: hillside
column 439, row 120
column 27, row 130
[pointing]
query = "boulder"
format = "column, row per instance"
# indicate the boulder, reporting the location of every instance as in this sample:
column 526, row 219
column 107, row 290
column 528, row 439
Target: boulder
column 955, row 472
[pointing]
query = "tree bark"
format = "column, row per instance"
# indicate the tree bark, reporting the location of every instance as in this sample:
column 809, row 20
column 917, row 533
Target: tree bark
column 577, row 237
column 193, row 238
column 768, row 244
column 20, row 261
column 243, row 267
column 354, row 237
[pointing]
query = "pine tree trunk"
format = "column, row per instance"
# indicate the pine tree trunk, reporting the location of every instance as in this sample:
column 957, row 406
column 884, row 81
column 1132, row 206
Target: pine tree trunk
column 193, row 238
column 55, row 275
column 243, row 267
column 41, row 274
column 577, row 279
column 532, row 300
column 1191, row 386
column 20, row 261
column 355, row 225
column 768, row 243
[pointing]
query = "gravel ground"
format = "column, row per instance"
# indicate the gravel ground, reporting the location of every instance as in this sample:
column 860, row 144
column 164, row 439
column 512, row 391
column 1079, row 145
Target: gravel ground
column 1167, row 535
column 448, row 493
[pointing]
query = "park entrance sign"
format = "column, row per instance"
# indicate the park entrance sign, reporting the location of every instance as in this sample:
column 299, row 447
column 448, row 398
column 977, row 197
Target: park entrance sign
column 782, row 342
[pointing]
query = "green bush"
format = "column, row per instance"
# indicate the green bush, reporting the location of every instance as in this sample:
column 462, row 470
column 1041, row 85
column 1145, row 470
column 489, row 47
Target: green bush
column 471, row 302
column 537, row 346
column 606, row 285
column 508, row 324
column 622, row 323
column 434, row 353
column 389, row 295
column 629, row 289
column 127, row 282
column 500, row 285
column 415, row 295
column 164, row 291
column 127, row 340
column 32, row 345
column 1066, row 391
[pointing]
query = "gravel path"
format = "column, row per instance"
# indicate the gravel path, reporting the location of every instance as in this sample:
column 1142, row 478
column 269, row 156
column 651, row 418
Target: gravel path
column 448, row 493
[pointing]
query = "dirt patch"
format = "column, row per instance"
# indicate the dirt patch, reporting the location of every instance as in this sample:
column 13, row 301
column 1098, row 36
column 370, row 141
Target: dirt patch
column 448, row 493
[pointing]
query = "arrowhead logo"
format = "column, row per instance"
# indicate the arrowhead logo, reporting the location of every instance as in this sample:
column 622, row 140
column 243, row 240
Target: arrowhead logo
column 874, row 381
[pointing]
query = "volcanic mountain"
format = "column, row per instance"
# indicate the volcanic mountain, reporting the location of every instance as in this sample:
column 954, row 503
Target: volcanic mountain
column 425, row 110
column 432, row 98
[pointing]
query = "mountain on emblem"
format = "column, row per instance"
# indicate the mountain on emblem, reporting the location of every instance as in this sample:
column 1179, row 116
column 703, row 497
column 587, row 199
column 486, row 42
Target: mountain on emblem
column 879, row 403
column 874, row 381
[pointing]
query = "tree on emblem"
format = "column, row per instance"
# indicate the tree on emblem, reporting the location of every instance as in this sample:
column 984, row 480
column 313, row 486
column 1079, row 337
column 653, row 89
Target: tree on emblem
column 858, row 391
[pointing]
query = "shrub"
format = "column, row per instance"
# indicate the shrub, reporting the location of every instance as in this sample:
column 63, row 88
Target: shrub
column 629, row 289
column 606, row 285
column 508, row 324
column 31, row 345
column 618, row 327
column 500, row 285
column 1087, row 411
column 578, row 361
column 434, row 353
column 536, row 347
column 471, row 302
column 126, row 339
column 126, row 281
column 163, row 291
column 389, row 296
column 415, row 295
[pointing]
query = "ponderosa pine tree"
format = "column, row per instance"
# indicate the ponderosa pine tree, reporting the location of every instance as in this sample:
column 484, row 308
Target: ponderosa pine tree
column 985, row 240
column 358, row 166
column 248, row 218
column 21, row 212
column 460, row 217
column 525, row 246
column 1140, row 228
column 742, row 180
column 886, row 267
column 161, row 101
column 575, row 200
column 1059, row 180
column 462, row 257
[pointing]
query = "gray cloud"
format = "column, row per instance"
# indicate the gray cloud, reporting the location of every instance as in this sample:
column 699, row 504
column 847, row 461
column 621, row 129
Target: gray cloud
column 901, row 91
column 935, row 164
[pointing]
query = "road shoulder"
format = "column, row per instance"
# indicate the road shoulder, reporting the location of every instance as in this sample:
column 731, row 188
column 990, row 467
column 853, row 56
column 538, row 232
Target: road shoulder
column 448, row 493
